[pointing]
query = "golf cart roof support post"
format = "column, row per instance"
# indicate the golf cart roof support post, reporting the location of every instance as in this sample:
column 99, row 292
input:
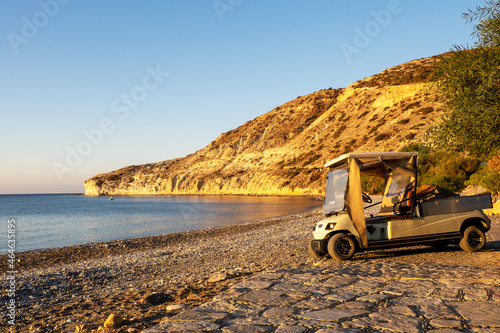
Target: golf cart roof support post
column 414, row 162
column 354, row 200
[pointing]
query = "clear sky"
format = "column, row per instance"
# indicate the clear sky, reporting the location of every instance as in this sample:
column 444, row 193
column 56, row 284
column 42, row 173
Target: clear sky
column 92, row 86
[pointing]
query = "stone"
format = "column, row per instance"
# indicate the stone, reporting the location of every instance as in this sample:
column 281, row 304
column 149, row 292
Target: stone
column 416, row 301
column 217, row 277
column 255, row 284
column 184, row 326
column 193, row 297
column 479, row 314
column 316, row 304
column 235, row 309
column 366, row 284
column 400, row 309
column 114, row 320
column 230, row 293
column 355, row 305
column 247, row 329
column 264, row 297
column 391, row 321
column 448, row 293
column 333, row 314
column 197, row 316
column 338, row 281
column 296, row 287
column 290, row 329
column 437, row 311
column 343, row 295
column 446, row 323
column 339, row 330
column 175, row 307
column 283, row 311
column 471, row 294
column 375, row 298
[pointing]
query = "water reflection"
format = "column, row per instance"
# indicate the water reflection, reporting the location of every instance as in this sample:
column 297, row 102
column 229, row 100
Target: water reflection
column 47, row 221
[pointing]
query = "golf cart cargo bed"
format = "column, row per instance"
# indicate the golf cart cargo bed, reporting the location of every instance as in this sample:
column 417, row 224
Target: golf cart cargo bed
column 456, row 205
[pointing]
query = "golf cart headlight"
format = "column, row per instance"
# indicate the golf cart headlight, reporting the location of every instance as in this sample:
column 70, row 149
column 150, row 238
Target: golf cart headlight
column 330, row 226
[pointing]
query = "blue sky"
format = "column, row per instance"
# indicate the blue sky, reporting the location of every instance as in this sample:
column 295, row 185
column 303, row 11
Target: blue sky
column 92, row 86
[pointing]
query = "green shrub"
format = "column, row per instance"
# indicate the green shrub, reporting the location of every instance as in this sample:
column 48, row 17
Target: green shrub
column 409, row 136
column 371, row 184
column 447, row 169
column 381, row 137
column 487, row 178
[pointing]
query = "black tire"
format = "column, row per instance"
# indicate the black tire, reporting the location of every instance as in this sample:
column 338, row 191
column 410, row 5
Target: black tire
column 473, row 239
column 342, row 246
column 317, row 255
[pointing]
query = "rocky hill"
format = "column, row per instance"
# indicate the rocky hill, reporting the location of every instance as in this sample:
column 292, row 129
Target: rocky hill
column 283, row 151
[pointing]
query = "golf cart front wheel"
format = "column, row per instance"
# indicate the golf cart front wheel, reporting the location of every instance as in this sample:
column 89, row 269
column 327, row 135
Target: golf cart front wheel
column 315, row 253
column 342, row 246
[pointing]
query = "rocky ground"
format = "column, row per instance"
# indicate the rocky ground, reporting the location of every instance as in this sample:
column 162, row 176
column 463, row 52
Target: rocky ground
column 145, row 280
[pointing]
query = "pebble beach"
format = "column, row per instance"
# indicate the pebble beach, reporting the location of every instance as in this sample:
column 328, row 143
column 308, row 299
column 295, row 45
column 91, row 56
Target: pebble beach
column 254, row 277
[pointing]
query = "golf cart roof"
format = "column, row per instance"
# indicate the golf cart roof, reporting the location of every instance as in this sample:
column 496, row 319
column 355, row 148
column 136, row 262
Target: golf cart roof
column 370, row 157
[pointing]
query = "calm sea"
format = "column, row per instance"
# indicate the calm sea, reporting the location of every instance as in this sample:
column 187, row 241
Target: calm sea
column 55, row 220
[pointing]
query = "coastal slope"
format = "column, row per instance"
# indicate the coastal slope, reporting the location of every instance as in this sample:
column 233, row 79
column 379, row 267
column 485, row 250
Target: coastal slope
column 282, row 152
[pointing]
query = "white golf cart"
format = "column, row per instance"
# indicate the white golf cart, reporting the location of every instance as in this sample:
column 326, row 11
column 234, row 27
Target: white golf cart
column 407, row 215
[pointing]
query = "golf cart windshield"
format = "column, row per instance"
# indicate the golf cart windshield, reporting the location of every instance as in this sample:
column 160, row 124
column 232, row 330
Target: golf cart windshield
column 336, row 185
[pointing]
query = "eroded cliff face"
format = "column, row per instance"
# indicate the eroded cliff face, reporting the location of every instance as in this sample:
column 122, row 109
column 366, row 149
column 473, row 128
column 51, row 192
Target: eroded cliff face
column 283, row 151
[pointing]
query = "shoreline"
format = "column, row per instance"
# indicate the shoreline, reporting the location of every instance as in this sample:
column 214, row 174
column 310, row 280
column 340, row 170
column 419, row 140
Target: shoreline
column 318, row 197
column 37, row 258
column 169, row 223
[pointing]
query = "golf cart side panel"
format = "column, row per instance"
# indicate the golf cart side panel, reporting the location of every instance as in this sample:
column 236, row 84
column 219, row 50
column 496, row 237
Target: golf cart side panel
column 456, row 205
column 444, row 224
column 419, row 226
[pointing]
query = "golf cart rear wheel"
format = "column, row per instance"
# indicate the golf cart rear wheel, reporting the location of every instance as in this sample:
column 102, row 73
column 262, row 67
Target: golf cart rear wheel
column 342, row 246
column 317, row 255
column 473, row 239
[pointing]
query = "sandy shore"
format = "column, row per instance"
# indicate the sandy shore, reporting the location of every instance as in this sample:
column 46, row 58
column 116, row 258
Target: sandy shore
column 67, row 289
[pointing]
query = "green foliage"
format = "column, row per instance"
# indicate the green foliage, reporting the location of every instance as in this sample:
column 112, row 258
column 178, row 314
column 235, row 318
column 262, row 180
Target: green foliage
column 381, row 137
column 488, row 175
column 371, row 184
column 471, row 86
column 487, row 31
column 470, row 83
column 487, row 178
column 446, row 169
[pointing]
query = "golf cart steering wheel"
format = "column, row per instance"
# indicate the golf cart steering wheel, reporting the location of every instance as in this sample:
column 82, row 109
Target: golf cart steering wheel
column 366, row 198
